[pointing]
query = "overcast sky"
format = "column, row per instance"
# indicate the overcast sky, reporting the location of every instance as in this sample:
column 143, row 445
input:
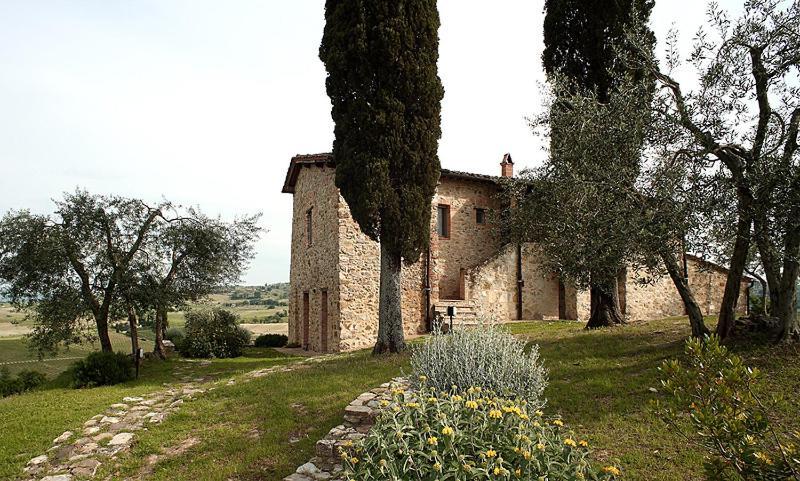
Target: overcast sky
column 204, row 102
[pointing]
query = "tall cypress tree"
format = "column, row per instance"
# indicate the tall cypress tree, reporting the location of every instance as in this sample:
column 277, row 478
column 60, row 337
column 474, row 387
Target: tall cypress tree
column 386, row 94
column 581, row 41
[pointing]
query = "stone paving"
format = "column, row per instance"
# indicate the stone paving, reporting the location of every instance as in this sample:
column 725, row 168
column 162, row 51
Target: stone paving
column 78, row 454
column 359, row 417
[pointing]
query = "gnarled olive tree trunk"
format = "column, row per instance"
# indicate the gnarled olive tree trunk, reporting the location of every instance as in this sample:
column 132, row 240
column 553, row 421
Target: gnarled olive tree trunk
column 604, row 305
column 390, row 315
column 741, row 247
column 699, row 328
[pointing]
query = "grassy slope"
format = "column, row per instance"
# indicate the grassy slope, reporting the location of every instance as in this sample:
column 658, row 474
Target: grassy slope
column 599, row 382
column 29, row 422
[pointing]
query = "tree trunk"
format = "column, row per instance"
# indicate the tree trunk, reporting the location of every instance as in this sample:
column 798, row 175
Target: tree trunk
column 786, row 305
column 102, row 332
column 160, row 321
column 727, row 311
column 699, row 328
column 604, row 306
column 134, row 330
column 390, row 316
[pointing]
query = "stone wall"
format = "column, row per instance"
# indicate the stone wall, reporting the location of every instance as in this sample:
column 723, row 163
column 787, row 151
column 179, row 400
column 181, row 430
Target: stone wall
column 315, row 268
column 654, row 298
column 493, row 286
column 469, row 243
column 540, row 286
column 359, row 277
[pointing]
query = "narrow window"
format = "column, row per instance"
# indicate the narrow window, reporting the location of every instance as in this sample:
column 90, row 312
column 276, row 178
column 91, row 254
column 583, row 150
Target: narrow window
column 309, row 227
column 480, row 215
column 443, row 221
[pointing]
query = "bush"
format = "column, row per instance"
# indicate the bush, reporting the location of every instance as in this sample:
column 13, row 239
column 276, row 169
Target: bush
column 102, row 369
column 433, row 435
column 176, row 335
column 25, row 381
column 488, row 357
column 213, row 333
column 713, row 396
column 271, row 340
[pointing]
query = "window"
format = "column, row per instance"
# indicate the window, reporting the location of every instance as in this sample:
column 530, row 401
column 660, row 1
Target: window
column 443, row 221
column 309, row 227
column 480, row 215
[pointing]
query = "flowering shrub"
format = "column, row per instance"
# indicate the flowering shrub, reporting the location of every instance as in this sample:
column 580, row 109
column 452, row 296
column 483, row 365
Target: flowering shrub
column 488, row 357
column 714, row 394
column 467, row 435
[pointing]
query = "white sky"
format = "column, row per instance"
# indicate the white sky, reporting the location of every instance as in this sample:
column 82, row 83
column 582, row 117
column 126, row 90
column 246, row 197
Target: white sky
column 204, row 102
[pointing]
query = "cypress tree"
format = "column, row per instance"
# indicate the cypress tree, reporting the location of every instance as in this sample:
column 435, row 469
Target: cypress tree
column 381, row 57
column 581, row 41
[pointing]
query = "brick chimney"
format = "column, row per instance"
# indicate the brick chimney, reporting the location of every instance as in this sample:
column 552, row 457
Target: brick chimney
column 507, row 166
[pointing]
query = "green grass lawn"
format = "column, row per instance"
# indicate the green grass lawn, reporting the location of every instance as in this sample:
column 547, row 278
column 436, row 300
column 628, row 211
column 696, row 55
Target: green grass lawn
column 264, row 428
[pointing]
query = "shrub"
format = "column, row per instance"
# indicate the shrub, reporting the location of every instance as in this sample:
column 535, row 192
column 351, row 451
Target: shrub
column 488, row 357
column 176, row 335
column 25, row 381
column 433, row 435
column 102, row 369
column 713, row 395
column 213, row 333
column 271, row 340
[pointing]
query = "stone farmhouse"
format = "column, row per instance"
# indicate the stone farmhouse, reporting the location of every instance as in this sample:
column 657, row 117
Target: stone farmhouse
column 333, row 297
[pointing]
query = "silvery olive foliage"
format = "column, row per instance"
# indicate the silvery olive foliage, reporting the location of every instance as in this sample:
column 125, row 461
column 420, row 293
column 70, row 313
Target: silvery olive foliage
column 488, row 357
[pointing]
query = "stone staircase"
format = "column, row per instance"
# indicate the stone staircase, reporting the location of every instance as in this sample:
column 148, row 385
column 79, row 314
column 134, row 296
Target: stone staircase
column 466, row 311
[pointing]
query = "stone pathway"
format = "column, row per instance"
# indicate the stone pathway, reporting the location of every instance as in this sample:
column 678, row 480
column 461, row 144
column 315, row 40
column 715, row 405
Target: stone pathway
column 359, row 417
column 79, row 453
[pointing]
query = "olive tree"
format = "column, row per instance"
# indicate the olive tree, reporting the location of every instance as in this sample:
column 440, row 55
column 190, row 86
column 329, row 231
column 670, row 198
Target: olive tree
column 742, row 122
column 69, row 267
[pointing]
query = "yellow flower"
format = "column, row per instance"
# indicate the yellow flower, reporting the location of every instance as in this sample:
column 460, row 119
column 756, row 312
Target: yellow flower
column 491, row 453
column 384, row 403
column 538, row 413
column 558, row 422
column 540, row 446
column 423, row 378
column 448, row 431
column 437, row 466
column 432, row 400
column 466, row 467
column 570, row 442
column 583, row 443
column 495, row 413
column 536, row 424
column 397, row 391
column 763, row 457
column 496, row 470
column 412, row 405
column 382, row 462
column 518, row 472
column 471, row 404
column 523, row 416
column 526, row 455
column 433, row 440
column 612, row 470
column 457, row 398
column 353, row 460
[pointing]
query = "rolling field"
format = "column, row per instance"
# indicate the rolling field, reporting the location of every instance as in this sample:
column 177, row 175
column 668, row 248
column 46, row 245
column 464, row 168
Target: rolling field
column 15, row 355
